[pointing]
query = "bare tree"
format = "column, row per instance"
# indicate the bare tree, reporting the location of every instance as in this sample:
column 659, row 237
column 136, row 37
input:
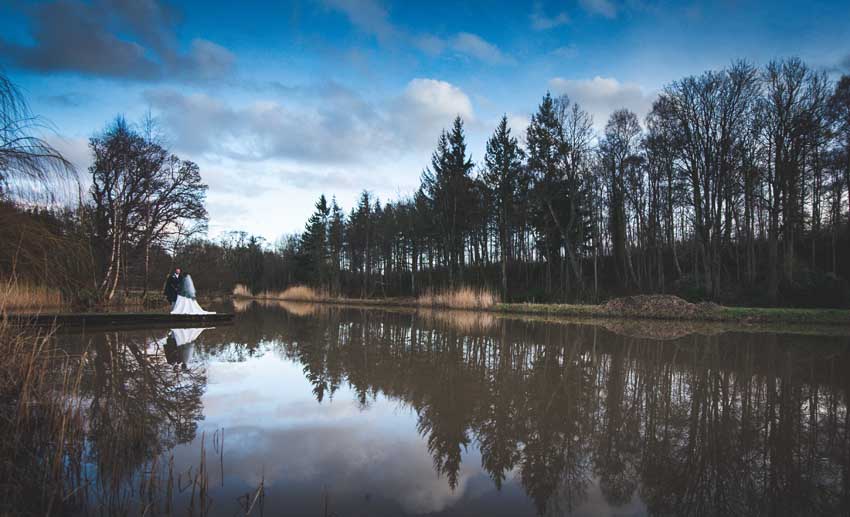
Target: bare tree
column 142, row 197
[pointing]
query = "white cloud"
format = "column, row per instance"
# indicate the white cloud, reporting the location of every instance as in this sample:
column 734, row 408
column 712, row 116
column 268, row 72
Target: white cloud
column 601, row 7
column 600, row 96
column 371, row 17
column 336, row 126
column 309, row 140
column 518, row 124
column 541, row 22
column 426, row 107
column 475, row 46
column 367, row 15
column 565, row 52
column 75, row 150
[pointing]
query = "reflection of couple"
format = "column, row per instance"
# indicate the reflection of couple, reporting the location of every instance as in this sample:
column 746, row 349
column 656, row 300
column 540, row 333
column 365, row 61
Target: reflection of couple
column 180, row 291
column 179, row 346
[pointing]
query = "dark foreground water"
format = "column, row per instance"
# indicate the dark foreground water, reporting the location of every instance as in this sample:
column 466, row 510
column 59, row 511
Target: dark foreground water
column 309, row 410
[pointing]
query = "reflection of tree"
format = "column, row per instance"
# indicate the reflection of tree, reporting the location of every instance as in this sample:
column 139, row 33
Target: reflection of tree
column 617, row 445
column 498, row 432
column 138, row 405
column 444, row 415
column 722, row 425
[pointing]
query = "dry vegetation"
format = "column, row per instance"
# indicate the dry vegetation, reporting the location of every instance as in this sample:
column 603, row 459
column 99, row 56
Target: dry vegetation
column 462, row 298
column 16, row 295
column 40, row 422
column 297, row 293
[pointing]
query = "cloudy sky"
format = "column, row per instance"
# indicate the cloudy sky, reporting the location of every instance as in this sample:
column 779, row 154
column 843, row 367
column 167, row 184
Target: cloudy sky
column 279, row 104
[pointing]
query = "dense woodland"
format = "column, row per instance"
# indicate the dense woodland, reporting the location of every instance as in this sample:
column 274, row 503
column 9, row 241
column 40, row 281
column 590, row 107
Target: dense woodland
column 734, row 188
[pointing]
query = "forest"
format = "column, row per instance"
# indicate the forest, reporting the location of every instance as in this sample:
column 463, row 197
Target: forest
column 734, row 188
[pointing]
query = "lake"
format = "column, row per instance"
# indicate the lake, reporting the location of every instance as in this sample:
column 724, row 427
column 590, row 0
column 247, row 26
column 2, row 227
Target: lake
column 302, row 409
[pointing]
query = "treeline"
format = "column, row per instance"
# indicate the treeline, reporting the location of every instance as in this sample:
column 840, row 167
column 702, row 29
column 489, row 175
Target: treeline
column 734, row 188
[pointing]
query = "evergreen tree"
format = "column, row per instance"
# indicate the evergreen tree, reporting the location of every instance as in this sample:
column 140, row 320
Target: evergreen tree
column 314, row 243
column 448, row 186
column 507, row 184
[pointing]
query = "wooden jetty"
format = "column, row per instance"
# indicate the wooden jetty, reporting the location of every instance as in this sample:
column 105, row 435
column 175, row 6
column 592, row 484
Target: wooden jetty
column 120, row 319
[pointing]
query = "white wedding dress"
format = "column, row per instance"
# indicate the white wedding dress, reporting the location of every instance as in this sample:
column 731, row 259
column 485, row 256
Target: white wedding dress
column 186, row 303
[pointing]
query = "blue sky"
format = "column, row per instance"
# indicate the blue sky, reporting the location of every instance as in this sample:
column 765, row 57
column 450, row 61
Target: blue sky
column 278, row 104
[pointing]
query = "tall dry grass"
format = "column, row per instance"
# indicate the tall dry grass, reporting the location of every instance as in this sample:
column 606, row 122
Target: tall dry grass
column 296, row 293
column 461, row 298
column 41, row 424
column 17, row 295
column 242, row 291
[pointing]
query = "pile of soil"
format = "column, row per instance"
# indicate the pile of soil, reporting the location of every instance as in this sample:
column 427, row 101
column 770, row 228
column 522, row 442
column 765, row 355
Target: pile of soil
column 660, row 306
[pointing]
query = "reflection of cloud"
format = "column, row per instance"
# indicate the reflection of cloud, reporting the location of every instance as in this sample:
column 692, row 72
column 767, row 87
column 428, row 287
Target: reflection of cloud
column 276, row 429
column 349, row 460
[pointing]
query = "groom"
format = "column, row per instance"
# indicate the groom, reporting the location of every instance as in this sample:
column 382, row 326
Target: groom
column 172, row 286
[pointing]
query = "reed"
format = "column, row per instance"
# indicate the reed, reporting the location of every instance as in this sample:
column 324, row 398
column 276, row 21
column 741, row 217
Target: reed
column 17, row 295
column 242, row 291
column 296, row 293
column 41, row 424
column 460, row 298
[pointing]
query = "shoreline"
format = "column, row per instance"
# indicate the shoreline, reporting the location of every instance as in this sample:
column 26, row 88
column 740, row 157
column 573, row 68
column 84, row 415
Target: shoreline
column 718, row 314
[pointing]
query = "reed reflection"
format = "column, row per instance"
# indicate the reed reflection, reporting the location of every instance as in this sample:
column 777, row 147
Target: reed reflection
column 723, row 424
column 138, row 403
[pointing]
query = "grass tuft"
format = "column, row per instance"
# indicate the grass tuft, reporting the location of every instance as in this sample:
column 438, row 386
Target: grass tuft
column 461, row 298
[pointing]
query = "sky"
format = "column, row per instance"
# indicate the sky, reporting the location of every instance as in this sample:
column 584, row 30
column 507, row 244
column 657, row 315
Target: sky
column 280, row 103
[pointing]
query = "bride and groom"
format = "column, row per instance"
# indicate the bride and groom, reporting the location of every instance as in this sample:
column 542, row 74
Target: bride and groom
column 180, row 291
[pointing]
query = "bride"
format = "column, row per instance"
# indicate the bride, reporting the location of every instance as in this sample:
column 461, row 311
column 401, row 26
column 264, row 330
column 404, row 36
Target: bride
column 186, row 303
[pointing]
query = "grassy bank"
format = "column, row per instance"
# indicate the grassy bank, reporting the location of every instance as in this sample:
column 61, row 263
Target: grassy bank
column 645, row 307
column 722, row 314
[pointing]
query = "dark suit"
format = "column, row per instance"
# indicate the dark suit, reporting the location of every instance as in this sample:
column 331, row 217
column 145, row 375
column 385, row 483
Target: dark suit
column 172, row 287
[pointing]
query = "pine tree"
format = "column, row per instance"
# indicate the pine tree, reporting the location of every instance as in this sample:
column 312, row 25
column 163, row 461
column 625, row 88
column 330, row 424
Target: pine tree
column 506, row 182
column 449, row 187
column 314, row 243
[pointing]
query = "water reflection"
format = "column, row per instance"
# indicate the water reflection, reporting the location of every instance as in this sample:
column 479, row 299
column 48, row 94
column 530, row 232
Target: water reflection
column 136, row 407
column 560, row 418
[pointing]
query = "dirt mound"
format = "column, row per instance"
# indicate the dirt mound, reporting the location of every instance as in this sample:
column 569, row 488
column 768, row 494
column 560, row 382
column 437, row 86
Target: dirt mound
column 660, row 306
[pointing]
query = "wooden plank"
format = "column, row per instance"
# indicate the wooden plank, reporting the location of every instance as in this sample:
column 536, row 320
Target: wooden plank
column 112, row 319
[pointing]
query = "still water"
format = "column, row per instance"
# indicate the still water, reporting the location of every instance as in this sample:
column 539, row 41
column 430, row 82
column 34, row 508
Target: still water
column 315, row 410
